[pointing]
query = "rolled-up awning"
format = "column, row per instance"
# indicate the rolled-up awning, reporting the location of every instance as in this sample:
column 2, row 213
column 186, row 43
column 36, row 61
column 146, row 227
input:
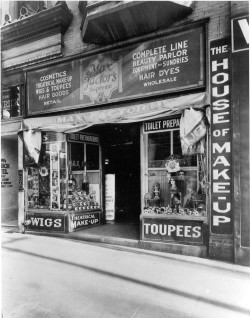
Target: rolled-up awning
column 129, row 18
column 11, row 127
column 116, row 115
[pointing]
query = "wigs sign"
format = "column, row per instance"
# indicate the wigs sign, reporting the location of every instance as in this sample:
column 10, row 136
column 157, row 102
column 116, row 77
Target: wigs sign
column 221, row 192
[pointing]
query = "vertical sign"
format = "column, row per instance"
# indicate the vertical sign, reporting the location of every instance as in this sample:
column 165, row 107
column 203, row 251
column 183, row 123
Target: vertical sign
column 221, row 158
column 110, row 197
column 240, row 34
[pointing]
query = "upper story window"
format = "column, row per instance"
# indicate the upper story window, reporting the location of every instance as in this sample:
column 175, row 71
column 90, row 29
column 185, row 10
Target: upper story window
column 11, row 104
column 22, row 9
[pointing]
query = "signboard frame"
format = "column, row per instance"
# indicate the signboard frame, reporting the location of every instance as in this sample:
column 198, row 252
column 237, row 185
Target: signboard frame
column 51, row 226
column 169, row 230
column 234, row 40
column 221, row 138
column 83, row 219
column 154, row 67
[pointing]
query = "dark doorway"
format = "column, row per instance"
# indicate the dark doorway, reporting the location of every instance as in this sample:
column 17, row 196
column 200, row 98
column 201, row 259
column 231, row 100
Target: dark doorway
column 121, row 156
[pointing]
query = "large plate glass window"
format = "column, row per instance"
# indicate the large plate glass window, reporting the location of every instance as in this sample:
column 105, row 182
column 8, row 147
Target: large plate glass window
column 47, row 181
column 173, row 182
column 84, row 172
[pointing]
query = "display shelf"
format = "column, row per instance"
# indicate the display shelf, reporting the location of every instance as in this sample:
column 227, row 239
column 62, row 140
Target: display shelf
column 174, row 217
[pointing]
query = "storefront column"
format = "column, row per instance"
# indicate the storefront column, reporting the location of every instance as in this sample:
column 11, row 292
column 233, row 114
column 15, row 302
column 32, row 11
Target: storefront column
column 21, row 208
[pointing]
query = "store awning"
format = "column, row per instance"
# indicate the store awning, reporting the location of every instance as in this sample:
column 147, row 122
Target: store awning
column 133, row 112
column 111, row 21
column 11, row 127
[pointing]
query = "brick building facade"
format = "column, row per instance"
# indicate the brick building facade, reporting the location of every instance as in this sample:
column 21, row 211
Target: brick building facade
column 106, row 88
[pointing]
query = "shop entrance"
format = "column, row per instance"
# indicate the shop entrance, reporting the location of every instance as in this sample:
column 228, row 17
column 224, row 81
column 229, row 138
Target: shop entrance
column 121, row 156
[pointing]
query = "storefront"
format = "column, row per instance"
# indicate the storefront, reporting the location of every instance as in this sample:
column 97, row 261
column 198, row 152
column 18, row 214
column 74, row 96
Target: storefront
column 128, row 148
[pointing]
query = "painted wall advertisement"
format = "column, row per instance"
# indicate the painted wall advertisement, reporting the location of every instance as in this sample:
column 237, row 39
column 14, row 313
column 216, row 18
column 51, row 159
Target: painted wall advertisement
column 172, row 230
column 6, row 182
column 221, row 138
column 167, row 64
column 110, row 197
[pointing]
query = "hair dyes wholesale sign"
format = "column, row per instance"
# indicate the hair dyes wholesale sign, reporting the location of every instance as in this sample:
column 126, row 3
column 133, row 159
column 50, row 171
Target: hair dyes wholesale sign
column 221, row 161
column 172, row 230
column 167, row 64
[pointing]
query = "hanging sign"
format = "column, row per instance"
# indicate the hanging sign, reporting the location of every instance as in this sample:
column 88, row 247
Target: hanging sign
column 166, row 64
column 110, row 197
column 221, row 158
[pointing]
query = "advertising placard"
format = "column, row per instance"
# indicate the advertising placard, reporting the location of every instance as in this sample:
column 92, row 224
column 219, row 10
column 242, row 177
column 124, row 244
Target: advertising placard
column 162, row 124
column 110, row 197
column 160, row 229
column 81, row 220
column 79, row 137
column 167, row 64
column 221, row 138
column 45, row 222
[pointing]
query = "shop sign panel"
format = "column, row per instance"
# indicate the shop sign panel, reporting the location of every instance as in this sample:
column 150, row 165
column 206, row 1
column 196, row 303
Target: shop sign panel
column 240, row 34
column 82, row 220
column 155, row 229
column 45, row 222
column 167, row 64
column 221, row 138
column 84, row 138
column 162, row 124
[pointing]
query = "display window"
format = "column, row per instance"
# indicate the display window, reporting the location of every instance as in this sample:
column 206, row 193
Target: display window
column 174, row 183
column 68, row 174
column 85, row 175
column 47, row 180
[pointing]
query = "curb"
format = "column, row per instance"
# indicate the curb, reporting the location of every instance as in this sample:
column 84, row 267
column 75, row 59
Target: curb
column 144, row 247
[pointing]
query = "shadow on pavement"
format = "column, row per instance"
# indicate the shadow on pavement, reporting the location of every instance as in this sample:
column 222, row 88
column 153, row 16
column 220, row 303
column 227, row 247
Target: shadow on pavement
column 137, row 281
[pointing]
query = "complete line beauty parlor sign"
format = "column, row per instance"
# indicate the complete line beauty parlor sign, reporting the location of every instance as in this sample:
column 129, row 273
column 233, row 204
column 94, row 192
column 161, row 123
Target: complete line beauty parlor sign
column 167, row 64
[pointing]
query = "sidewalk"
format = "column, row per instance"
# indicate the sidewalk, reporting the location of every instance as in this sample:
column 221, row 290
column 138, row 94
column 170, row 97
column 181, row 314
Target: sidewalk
column 127, row 236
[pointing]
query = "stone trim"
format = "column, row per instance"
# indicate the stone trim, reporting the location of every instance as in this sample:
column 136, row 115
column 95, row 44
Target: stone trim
column 36, row 27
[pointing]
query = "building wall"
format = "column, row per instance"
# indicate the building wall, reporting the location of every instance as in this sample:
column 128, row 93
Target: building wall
column 9, row 178
column 239, row 7
column 218, row 13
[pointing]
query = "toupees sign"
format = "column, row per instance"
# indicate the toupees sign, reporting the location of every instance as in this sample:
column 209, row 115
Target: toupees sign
column 221, row 161
column 172, row 230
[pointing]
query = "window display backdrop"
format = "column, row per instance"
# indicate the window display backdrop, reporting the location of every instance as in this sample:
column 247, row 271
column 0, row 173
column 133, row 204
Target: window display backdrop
column 172, row 180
